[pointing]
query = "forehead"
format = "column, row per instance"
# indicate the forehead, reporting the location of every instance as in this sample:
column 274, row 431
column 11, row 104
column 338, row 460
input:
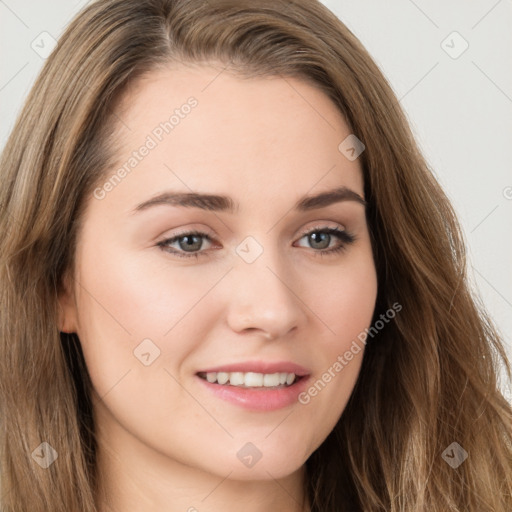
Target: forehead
column 203, row 128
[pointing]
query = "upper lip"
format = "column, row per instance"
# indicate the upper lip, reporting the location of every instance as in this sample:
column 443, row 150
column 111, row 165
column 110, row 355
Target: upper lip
column 259, row 367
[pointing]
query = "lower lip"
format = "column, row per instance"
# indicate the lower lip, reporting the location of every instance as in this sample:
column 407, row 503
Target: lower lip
column 258, row 399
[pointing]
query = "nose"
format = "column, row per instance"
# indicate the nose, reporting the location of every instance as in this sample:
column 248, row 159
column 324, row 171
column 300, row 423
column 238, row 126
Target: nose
column 263, row 298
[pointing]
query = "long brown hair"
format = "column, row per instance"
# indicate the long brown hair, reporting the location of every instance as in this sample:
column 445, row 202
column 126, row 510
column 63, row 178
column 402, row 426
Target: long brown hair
column 428, row 379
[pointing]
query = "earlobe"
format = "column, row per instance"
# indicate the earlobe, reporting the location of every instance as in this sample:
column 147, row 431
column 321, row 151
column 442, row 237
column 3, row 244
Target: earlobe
column 66, row 307
column 64, row 322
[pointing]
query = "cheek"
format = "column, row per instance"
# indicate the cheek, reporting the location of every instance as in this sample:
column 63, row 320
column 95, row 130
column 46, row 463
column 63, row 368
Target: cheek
column 135, row 295
column 344, row 298
column 346, row 308
column 124, row 300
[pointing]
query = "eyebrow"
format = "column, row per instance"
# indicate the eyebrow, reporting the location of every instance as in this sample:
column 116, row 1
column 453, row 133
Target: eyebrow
column 219, row 203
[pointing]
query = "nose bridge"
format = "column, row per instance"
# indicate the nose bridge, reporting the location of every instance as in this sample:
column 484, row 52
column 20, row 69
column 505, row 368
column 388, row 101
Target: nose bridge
column 261, row 292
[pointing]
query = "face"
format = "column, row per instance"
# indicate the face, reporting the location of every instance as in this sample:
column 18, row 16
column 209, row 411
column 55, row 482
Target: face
column 172, row 296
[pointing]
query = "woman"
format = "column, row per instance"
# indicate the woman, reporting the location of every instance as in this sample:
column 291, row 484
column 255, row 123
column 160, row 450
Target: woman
column 172, row 335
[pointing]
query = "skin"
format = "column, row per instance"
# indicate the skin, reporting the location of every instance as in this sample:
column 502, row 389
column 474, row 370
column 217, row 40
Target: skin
column 165, row 442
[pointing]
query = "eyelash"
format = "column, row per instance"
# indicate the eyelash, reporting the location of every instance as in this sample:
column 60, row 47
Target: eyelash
column 344, row 236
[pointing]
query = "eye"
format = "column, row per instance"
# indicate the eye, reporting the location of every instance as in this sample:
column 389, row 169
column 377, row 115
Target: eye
column 321, row 238
column 190, row 244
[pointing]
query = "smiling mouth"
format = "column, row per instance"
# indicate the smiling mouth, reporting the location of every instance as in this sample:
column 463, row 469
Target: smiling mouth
column 251, row 379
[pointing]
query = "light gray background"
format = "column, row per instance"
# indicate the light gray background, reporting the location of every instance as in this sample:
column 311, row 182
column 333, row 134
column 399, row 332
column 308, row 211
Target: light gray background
column 460, row 108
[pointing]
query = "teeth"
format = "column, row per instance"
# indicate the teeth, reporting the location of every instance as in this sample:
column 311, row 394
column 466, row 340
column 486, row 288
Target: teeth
column 222, row 377
column 235, row 378
column 251, row 379
column 272, row 379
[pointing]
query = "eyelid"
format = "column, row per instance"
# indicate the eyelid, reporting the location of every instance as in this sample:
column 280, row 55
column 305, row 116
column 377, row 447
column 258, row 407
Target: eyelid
column 319, row 226
column 211, row 237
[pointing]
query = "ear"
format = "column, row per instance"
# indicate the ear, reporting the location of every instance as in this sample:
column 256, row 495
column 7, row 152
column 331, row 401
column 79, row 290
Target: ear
column 67, row 321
